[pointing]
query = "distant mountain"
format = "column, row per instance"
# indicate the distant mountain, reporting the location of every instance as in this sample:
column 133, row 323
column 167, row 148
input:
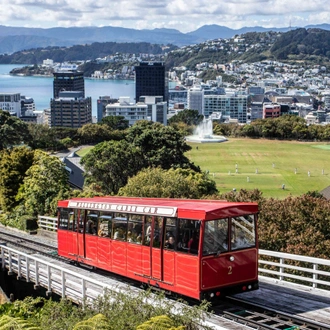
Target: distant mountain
column 14, row 39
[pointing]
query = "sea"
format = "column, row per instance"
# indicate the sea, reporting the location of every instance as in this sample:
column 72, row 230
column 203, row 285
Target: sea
column 40, row 88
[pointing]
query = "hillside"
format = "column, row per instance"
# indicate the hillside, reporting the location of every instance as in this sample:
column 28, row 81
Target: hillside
column 311, row 45
column 13, row 39
column 81, row 52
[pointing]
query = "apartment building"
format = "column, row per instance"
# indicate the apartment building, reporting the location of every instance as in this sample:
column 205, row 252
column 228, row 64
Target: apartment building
column 11, row 102
column 71, row 109
column 231, row 107
column 129, row 110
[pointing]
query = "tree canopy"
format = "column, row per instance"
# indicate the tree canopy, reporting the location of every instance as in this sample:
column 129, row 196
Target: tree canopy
column 46, row 182
column 111, row 163
column 115, row 122
column 187, row 116
column 160, row 145
column 172, row 183
column 13, row 131
column 13, row 165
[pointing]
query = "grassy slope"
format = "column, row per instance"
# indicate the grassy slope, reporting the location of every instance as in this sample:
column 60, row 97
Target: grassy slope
column 220, row 159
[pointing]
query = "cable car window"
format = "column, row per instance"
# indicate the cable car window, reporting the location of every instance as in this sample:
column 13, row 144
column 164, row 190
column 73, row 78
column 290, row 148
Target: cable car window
column 67, row 219
column 91, row 222
column 188, row 236
column 243, row 233
column 157, row 233
column 119, row 226
column 134, row 233
column 170, row 234
column 80, row 215
column 105, row 224
column 147, row 230
column 215, row 237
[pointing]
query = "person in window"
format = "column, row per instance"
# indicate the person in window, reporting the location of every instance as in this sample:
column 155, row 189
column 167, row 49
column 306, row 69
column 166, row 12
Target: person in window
column 169, row 244
column 129, row 236
column 193, row 243
column 91, row 227
column 156, row 241
column 119, row 234
column 103, row 232
column 139, row 239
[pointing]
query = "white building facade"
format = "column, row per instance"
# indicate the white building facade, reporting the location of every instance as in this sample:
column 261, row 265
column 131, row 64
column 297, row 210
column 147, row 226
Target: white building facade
column 195, row 99
column 230, row 106
column 11, row 102
column 130, row 111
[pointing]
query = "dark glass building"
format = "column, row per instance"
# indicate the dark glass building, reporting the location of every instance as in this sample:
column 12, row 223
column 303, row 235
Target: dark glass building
column 68, row 81
column 150, row 80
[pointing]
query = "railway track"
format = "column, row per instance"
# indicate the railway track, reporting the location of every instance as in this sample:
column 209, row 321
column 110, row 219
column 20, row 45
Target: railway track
column 259, row 317
column 236, row 310
column 23, row 243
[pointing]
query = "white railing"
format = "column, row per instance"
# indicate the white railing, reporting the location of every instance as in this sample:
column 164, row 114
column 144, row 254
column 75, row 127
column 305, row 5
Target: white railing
column 47, row 223
column 60, row 280
column 286, row 267
column 71, row 284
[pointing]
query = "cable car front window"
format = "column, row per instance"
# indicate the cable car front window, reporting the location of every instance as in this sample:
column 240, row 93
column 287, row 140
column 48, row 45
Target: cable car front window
column 243, row 233
column 215, row 237
column 66, row 219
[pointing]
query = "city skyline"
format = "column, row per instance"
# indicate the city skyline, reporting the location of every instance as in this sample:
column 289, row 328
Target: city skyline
column 182, row 15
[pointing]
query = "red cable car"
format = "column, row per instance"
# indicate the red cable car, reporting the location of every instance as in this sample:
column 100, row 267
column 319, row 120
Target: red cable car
column 202, row 249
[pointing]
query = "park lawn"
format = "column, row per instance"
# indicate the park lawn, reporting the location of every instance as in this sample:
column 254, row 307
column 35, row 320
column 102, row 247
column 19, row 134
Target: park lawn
column 259, row 155
column 250, row 155
column 83, row 151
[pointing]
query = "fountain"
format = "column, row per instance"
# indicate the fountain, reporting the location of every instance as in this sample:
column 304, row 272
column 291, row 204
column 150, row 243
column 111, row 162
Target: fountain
column 204, row 133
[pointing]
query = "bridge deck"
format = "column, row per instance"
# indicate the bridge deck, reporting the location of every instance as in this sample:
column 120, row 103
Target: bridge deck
column 292, row 299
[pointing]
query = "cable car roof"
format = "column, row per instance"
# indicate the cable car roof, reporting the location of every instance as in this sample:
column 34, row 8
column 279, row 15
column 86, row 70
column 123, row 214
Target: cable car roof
column 182, row 208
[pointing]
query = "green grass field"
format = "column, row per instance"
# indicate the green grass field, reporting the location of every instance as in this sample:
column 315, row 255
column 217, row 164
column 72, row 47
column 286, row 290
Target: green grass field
column 220, row 160
column 83, row 151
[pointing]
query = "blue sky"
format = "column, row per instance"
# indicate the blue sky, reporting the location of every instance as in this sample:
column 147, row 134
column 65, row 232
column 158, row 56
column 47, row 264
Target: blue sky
column 183, row 15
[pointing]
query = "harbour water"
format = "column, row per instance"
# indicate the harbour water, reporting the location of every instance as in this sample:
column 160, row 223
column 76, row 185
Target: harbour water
column 41, row 88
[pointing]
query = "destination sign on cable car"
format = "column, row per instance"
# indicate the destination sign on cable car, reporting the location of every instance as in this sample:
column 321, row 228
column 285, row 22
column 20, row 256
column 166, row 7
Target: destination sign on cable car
column 141, row 209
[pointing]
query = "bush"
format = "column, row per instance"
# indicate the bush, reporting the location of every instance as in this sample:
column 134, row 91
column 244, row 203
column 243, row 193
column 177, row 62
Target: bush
column 28, row 222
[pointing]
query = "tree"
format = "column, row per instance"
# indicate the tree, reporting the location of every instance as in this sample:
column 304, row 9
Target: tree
column 115, row 122
column 111, row 163
column 94, row 133
column 187, row 116
column 172, row 183
column 45, row 183
column 160, row 145
column 12, row 130
column 13, row 166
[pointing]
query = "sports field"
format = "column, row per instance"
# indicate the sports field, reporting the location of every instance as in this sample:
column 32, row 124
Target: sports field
column 266, row 165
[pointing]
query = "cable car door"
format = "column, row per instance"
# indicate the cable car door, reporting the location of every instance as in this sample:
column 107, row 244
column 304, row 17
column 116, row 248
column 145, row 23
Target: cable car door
column 81, row 235
column 151, row 252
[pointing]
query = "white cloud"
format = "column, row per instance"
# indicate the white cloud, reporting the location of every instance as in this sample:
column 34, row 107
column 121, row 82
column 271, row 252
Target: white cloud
column 184, row 15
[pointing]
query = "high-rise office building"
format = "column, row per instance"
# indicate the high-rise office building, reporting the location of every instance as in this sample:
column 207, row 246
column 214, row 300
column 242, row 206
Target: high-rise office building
column 71, row 109
column 68, row 81
column 150, row 80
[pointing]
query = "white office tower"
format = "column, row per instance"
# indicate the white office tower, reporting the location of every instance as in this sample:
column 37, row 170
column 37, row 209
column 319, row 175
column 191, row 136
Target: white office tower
column 196, row 99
